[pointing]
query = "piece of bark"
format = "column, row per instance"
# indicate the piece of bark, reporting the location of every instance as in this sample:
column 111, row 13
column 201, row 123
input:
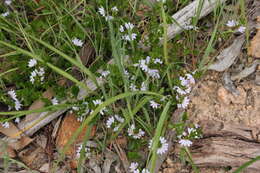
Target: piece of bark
column 226, row 145
column 246, row 72
column 33, row 157
column 110, row 158
column 7, row 150
column 12, row 131
column 68, row 127
column 228, row 56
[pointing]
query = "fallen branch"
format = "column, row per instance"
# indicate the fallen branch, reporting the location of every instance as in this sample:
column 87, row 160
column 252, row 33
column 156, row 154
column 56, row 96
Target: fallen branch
column 184, row 16
column 227, row 145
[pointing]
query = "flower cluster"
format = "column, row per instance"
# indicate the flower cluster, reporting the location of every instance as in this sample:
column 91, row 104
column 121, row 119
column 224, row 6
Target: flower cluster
column 133, row 132
column 114, row 122
column 5, row 125
column 102, row 12
column 144, row 65
column 163, row 145
column 134, row 168
column 17, row 103
column 36, row 73
column 190, row 27
column 154, row 105
column 186, row 82
column 128, row 28
column 143, row 87
column 192, row 133
column 104, row 73
column 80, row 148
column 233, row 23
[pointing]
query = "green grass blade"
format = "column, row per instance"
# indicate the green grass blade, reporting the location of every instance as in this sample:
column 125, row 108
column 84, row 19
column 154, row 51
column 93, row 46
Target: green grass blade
column 8, row 71
column 44, row 109
column 10, row 54
column 157, row 135
column 245, row 165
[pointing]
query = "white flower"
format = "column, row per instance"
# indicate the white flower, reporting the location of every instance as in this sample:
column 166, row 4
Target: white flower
column 109, row 18
column 77, row 42
column 133, row 166
column 87, row 151
column 97, row 102
column 185, row 142
column 17, row 105
column 129, row 26
column 75, row 108
column 54, row 101
column 120, row 119
column 131, row 132
column 147, row 59
column 145, row 171
column 17, row 120
column 105, row 73
column 80, row 119
column 179, row 90
column 5, row 14
column 110, row 121
column 5, row 125
column 184, row 81
column 41, row 71
column 164, row 146
column 115, row 9
column 32, row 62
column 184, row 103
column 143, row 65
column 116, row 128
column 102, row 11
column 190, row 78
column 197, row 126
column 190, row 130
column 232, row 23
column 163, row 1
column 126, row 73
column 190, row 27
column 154, row 73
column 8, row 2
column 143, row 86
column 121, row 28
column 157, row 61
column 188, row 90
column 133, row 87
column 32, row 76
column 154, row 105
column 130, row 37
column 12, row 94
column 150, row 144
column 241, row 29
